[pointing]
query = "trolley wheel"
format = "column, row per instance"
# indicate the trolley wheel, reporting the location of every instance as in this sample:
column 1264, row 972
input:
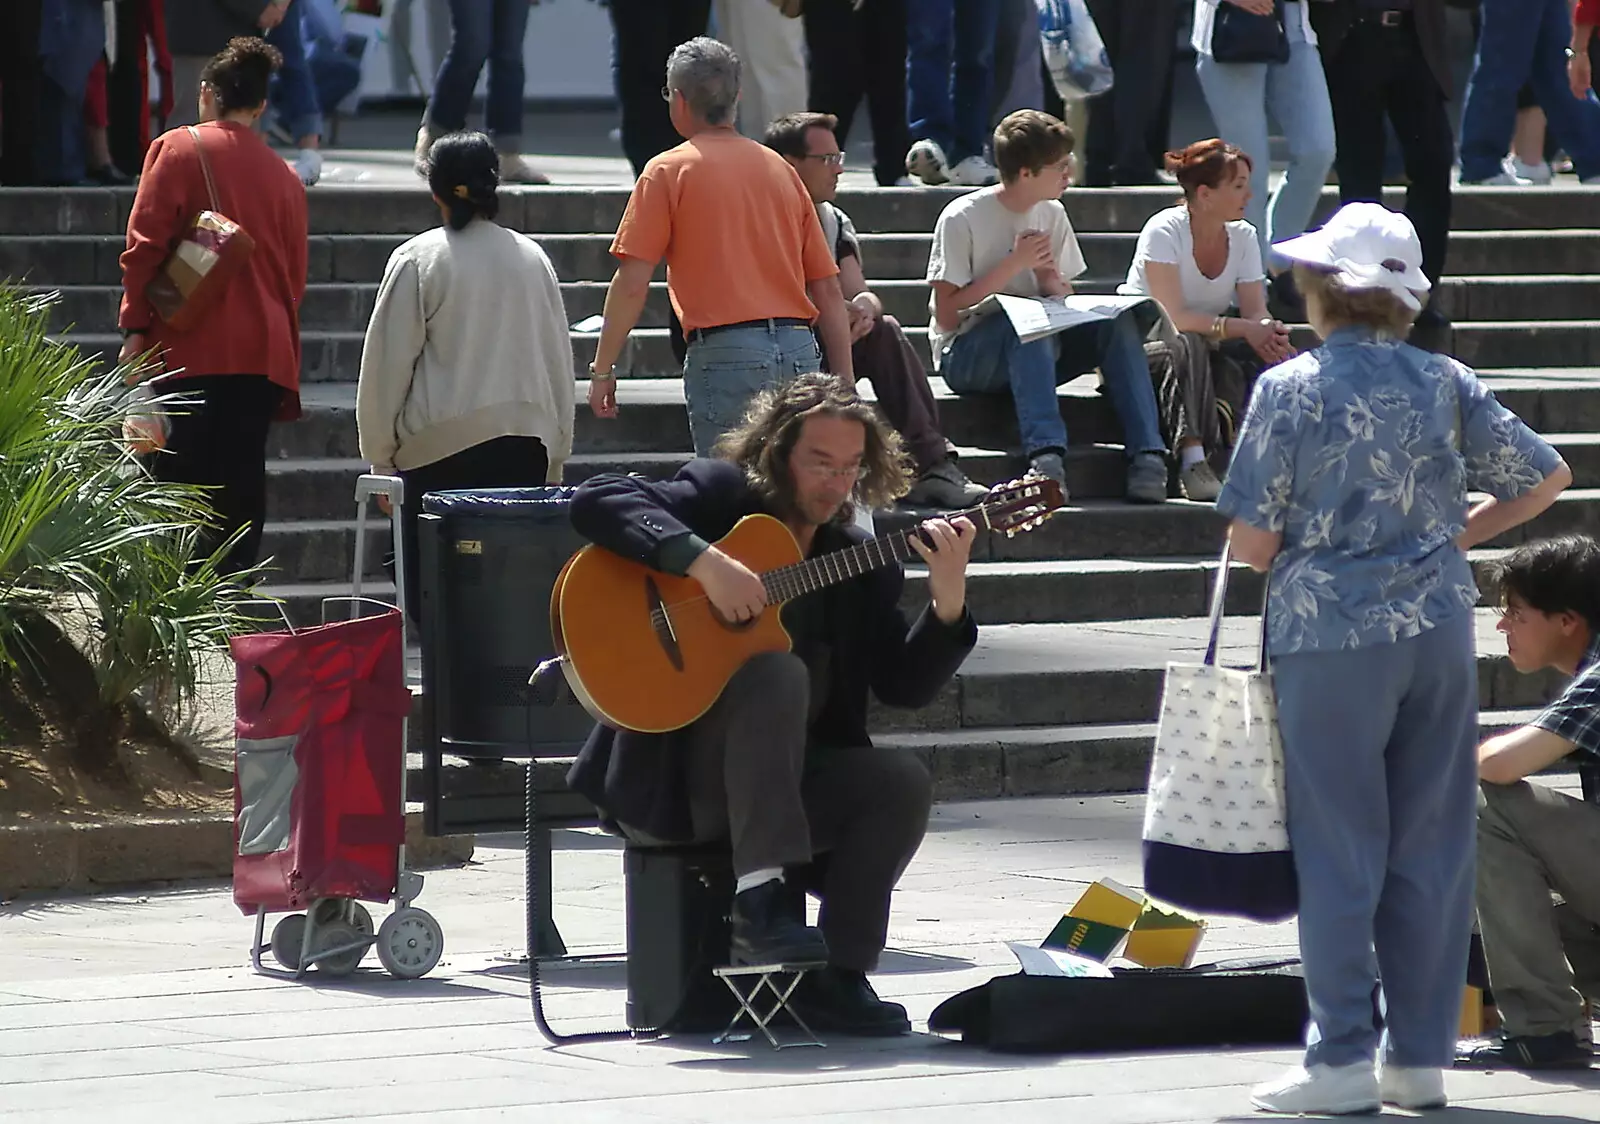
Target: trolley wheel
column 330, row 910
column 333, row 935
column 410, row 943
column 288, row 935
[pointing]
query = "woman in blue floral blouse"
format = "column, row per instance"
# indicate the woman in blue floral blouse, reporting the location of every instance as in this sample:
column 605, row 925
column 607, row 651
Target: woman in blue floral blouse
column 1349, row 484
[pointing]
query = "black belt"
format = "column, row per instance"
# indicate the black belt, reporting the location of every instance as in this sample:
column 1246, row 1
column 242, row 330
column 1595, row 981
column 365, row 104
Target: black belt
column 1388, row 17
column 772, row 322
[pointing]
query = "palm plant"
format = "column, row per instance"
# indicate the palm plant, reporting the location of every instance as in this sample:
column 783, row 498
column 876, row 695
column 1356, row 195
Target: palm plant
column 105, row 592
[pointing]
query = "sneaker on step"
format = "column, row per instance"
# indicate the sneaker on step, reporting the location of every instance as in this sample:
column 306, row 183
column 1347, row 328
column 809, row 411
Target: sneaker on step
column 1540, row 173
column 840, row 1001
column 1503, row 179
column 1412, row 1087
column 1561, row 1050
column 926, row 161
column 1199, row 482
column 1147, row 479
column 426, row 135
column 1050, row 465
column 765, row 930
column 515, row 169
column 944, row 485
column 974, row 171
column 308, row 165
column 1322, row 1090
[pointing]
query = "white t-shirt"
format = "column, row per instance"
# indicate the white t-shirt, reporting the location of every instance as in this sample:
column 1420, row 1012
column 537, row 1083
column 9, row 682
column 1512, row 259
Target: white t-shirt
column 975, row 233
column 1168, row 238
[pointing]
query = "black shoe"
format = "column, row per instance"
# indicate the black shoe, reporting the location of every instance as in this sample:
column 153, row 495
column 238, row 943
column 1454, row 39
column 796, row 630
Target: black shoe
column 765, row 930
column 110, row 176
column 1431, row 332
column 1284, row 301
column 840, row 1001
column 1529, row 1051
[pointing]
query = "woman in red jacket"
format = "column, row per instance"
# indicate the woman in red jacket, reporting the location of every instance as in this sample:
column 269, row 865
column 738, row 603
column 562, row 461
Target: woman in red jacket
column 241, row 366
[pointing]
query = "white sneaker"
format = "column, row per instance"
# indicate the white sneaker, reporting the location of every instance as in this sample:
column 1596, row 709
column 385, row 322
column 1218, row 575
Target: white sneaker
column 1412, row 1087
column 426, row 135
column 1200, row 482
column 1323, row 1090
column 974, row 171
column 308, row 165
column 1534, row 173
column 515, row 169
column 927, row 162
column 1503, row 179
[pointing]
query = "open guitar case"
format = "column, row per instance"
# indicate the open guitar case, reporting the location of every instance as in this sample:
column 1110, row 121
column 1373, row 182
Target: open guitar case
column 1251, row 1002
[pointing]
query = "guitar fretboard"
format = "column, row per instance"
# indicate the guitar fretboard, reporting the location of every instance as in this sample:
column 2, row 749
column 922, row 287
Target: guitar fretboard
column 788, row 582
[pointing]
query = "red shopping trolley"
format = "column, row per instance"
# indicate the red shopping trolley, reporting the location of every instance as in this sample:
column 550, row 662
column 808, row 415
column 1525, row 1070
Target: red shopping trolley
column 319, row 787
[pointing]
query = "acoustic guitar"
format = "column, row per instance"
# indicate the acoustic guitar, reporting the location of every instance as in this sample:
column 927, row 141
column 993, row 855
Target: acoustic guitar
column 643, row 650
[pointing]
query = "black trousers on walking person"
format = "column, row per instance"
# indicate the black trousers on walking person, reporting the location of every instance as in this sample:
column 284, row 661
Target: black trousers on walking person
column 505, row 462
column 860, row 52
column 217, row 439
column 1140, row 36
column 643, row 34
column 21, row 88
column 1380, row 70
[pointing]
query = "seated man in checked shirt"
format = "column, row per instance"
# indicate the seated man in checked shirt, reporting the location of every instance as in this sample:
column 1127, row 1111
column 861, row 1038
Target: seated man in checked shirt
column 1544, row 958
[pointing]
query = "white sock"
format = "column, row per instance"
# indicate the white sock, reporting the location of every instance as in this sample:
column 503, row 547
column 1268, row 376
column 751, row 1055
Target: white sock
column 1191, row 454
column 758, row 878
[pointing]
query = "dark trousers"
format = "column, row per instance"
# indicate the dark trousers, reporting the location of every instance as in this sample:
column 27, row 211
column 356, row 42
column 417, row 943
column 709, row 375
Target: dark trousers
column 127, row 101
column 860, row 52
column 1380, row 70
column 218, row 440
column 886, row 359
column 505, row 462
column 1140, row 36
column 753, row 781
column 643, row 34
column 21, row 80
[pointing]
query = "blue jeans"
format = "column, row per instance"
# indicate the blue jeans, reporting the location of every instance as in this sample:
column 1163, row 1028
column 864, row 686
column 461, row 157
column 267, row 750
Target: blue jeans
column 725, row 370
column 945, row 106
column 483, row 31
column 335, row 69
column 293, row 93
column 1379, row 755
column 1524, row 41
column 988, row 358
column 1239, row 95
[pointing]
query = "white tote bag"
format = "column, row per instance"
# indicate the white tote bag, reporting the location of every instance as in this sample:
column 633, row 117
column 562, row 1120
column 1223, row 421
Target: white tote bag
column 1216, row 836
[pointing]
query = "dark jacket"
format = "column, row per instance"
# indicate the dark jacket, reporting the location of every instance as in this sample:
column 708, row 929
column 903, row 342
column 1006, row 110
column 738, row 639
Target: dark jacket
column 639, row 779
column 201, row 28
column 1332, row 20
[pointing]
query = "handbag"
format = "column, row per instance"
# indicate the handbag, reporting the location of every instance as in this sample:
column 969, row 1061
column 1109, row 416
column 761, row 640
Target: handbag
column 1216, row 836
column 1074, row 53
column 211, row 253
column 1241, row 36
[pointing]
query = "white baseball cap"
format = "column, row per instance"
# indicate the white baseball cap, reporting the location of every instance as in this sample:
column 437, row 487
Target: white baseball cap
column 1367, row 246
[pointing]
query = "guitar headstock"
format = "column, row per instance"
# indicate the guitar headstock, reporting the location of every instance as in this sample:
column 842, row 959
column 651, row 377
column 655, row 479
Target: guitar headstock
column 1020, row 505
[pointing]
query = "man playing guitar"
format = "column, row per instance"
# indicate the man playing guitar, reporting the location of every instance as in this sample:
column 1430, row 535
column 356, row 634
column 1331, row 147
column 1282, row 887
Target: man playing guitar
column 781, row 764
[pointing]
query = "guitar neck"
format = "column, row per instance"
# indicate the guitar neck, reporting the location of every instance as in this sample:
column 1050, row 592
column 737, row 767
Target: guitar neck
column 788, row 582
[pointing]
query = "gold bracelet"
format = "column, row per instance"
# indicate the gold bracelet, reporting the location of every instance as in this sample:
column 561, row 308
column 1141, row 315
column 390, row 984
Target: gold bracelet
column 1219, row 329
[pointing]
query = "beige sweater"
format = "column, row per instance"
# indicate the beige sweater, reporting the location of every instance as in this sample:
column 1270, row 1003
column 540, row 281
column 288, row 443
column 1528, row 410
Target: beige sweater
column 468, row 342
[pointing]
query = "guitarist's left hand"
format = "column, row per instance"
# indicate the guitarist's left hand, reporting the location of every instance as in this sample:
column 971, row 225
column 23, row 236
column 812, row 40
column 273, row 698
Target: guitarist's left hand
column 947, row 563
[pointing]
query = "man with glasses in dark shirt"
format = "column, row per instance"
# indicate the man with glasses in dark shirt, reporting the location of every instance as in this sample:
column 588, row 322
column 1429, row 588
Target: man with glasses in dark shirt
column 1533, row 841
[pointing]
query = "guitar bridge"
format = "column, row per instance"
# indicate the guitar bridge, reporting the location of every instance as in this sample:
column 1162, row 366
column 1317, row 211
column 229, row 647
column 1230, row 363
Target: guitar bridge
column 661, row 623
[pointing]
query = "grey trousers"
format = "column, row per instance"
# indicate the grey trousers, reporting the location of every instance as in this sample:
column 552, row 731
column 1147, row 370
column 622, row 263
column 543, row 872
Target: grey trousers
column 751, row 781
column 1543, row 958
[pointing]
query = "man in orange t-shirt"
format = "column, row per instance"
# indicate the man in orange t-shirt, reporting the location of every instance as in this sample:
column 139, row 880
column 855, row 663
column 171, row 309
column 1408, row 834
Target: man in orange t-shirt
column 748, row 269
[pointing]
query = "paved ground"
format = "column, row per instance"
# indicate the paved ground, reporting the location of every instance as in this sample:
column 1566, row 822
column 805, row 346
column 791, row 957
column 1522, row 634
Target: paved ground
column 142, row 1008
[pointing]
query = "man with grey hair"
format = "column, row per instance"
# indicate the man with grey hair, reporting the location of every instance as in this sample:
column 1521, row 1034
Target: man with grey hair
column 748, row 268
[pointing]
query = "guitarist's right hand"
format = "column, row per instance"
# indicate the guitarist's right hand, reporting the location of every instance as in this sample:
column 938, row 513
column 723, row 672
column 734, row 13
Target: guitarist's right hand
column 733, row 589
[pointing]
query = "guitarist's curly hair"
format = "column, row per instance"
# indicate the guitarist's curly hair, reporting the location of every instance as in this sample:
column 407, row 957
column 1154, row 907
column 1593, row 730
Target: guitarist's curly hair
column 762, row 443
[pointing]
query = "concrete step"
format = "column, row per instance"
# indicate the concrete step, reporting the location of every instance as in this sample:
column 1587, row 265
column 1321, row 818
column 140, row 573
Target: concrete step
column 652, row 419
column 354, row 208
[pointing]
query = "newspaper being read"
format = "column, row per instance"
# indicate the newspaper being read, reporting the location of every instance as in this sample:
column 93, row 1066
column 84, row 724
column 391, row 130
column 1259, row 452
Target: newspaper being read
column 1037, row 317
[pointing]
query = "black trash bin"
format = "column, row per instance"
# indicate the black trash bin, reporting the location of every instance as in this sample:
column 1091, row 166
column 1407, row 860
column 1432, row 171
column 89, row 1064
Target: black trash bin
column 488, row 559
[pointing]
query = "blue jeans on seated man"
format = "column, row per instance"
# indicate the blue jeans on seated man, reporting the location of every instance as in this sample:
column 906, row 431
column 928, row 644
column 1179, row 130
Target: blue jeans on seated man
column 989, row 358
column 725, row 370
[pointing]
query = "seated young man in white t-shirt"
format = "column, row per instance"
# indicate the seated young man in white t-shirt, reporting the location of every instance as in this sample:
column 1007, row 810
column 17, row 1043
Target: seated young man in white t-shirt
column 1015, row 238
column 1200, row 260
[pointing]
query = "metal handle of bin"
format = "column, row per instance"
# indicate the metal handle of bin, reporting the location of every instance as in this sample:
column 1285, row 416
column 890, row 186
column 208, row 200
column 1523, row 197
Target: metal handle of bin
column 370, row 484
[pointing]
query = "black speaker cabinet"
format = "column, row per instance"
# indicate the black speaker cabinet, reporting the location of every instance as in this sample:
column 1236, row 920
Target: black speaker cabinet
column 677, row 905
